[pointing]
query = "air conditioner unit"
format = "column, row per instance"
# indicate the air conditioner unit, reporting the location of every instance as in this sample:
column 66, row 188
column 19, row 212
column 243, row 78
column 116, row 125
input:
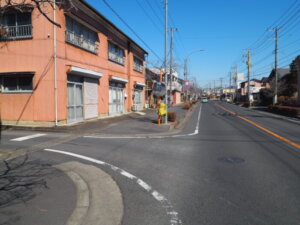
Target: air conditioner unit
column 134, row 108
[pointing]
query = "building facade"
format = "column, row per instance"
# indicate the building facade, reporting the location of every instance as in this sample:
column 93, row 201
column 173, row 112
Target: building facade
column 50, row 75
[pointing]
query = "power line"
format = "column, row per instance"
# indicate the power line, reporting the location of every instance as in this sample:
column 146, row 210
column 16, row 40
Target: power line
column 264, row 37
column 290, row 18
column 287, row 21
column 177, row 38
column 291, row 29
column 127, row 25
column 154, row 12
column 150, row 18
column 283, row 15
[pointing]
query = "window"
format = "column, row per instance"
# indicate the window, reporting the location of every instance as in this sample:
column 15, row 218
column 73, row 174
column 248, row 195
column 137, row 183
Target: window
column 137, row 64
column 16, row 25
column 19, row 83
column 116, row 54
column 81, row 36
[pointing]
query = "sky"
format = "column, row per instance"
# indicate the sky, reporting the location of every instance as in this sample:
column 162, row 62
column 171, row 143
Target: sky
column 223, row 29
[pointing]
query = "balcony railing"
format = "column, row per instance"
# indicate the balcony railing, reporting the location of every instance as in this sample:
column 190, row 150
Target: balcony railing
column 15, row 32
column 80, row 41
column 138, row 67
column 116, row 58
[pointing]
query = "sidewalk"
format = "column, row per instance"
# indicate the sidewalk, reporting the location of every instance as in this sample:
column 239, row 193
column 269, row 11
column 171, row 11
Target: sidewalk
column 144, row 122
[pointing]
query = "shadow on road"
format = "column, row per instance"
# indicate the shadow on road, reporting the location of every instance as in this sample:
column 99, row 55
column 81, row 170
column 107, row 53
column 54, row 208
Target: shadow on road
column 21, row 180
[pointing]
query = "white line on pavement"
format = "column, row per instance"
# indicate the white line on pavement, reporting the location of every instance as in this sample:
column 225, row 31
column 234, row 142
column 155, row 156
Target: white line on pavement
column 153, row 137
column 172, row 214
column 144, row 185
column 27, row 137
column 141, row 113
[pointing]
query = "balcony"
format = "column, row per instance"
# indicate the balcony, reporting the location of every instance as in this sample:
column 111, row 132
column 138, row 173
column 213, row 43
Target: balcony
column 15, row 32
column 81, row 42
column 138, row 68
column 116, row 58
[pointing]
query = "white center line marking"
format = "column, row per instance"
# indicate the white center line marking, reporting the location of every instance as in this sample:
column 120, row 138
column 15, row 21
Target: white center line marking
column 173, row 215
column 27, row 137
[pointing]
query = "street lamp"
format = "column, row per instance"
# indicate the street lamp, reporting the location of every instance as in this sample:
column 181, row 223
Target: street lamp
column 186, row 67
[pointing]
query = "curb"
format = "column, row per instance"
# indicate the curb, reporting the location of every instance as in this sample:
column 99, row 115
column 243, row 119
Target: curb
column 104, row 207
column 188, row 114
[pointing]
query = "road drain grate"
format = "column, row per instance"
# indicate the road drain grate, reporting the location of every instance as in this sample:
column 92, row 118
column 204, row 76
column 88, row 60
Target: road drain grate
column 232, row 160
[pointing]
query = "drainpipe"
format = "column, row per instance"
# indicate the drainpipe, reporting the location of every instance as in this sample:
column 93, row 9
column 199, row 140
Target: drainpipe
column 55, row 65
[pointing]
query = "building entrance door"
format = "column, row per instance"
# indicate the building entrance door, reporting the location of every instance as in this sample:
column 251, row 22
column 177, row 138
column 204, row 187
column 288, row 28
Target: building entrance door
column 137, row 101
column 75, row 98
column 116, row 100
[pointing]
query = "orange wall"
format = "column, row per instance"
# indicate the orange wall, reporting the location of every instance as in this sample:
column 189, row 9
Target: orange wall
column 36, row 55
column 28, row 55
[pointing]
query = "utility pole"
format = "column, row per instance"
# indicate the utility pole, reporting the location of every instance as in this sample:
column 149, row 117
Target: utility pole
column 221, row 81
column 276, row 64
column 172, row 30
column 214, row 87
column 185, row 77
column 235, row 81
column 166, row 55
column 230, row 81
column 249, row 70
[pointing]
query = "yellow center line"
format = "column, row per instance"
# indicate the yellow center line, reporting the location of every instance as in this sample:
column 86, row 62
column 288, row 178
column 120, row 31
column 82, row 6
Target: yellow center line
column 261, row 127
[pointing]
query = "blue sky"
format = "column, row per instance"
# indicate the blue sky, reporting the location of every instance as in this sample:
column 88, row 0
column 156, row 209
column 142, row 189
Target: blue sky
column 224, row 29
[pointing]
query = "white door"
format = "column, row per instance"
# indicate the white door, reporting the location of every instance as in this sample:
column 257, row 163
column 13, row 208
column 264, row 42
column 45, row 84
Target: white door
column 116, row 100
column 90, row 98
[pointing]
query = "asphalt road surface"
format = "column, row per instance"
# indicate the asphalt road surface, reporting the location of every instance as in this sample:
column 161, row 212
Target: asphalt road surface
column 229, row 166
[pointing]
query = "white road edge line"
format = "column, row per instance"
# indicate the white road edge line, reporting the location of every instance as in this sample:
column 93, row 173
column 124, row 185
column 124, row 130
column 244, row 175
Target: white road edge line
column 27, row 137
column 154, row 137
column 172, row 214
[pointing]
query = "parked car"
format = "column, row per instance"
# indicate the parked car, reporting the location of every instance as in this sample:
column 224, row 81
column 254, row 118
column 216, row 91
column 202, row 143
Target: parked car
column 204, row 100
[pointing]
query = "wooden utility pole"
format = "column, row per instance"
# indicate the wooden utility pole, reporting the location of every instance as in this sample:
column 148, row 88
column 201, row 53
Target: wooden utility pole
column 214, row 87
column 276, row 65
column 249, row 70
column 235, row 81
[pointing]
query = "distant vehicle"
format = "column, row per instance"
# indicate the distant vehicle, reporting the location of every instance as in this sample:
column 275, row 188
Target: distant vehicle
column 204, row 100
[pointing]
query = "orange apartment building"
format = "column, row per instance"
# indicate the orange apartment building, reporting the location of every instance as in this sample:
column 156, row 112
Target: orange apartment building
column 87, row 68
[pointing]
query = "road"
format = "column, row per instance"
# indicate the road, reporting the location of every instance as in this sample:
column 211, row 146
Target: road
column 228, row 166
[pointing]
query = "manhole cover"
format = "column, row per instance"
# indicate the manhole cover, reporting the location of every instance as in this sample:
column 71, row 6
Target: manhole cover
column 232, row 160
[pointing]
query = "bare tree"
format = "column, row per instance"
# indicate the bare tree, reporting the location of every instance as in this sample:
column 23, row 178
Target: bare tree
column 43, row 6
